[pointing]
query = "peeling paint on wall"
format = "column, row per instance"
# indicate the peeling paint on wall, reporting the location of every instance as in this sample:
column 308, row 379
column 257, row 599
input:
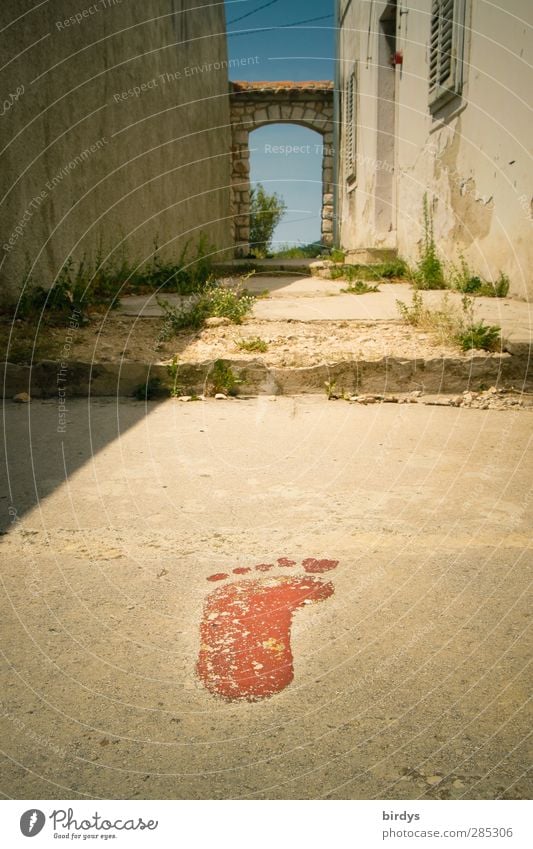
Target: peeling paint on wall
column 472, row 157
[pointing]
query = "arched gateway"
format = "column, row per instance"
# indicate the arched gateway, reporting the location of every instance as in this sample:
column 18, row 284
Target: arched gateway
column 254, row 104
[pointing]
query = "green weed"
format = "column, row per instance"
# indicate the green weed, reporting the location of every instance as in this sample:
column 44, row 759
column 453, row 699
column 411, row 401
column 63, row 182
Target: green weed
column 444, row 322
column 359, row 287
column 84, row 285
column 173, row 370
column 332, row 393
column 312, row 251
column 480, row 336
column 223, row 379
column 379, row 272
column 448, row 323
column 429, row 273
column 465, row 281
column 214, row 300
column 396, row 268
column 499, row 288
column 186, row 277
column 253, row 345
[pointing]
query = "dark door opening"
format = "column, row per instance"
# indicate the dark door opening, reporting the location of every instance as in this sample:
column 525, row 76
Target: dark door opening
column 385, row 217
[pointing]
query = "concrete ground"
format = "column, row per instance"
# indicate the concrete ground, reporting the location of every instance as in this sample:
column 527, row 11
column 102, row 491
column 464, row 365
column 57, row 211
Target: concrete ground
column 410, row 681
column 300, row 298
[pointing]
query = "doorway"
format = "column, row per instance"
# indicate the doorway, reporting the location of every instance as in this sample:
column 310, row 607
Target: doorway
column 385, row 201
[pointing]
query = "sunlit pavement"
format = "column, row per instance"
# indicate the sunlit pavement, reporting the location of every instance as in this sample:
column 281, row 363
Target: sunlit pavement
column 300, row 298
column 410, row 677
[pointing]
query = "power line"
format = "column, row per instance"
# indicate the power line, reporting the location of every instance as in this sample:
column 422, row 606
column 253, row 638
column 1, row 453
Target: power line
column 253, row 12
column 308, row 21
column 282, row 26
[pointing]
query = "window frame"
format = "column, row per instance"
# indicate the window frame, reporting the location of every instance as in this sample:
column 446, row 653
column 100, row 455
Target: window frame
column 443, row 86
column 350, row 142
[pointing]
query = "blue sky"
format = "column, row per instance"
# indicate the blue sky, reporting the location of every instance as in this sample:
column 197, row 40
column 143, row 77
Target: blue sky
column 301, row 52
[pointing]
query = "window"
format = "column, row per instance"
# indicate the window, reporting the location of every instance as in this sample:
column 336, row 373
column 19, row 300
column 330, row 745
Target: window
column 446, row 49
column 350, row 128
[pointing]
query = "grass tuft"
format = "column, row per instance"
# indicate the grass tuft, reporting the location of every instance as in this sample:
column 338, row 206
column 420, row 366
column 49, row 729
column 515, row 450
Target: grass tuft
column 253, row 345
column 359, row 287
column 448, row 323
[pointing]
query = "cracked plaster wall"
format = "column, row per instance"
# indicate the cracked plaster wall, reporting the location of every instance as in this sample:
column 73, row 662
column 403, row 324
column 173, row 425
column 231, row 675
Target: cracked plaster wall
column 474, row 158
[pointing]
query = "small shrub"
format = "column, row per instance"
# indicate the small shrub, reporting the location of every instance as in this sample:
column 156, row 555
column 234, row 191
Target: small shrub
column 444, row 322
column 479, row 336
column 359, row 287
column 223, row 379
column 462, row 279
column 336, row 255
column 390, row 270
column 345, row 272
column 215, row 300
column 497, row 289
column 415, row 313
column 450, row 324
column 253, row 345
column 312, row 251
column 186, row 277
column 429, row 273
column 380, row 271
column 266, row 212
column 83, row 285
column 352, row 273
column 232, row 303
column 190, row 317
column 465, row 281
column 501, row 286
column 75, row 289
column 31, row 301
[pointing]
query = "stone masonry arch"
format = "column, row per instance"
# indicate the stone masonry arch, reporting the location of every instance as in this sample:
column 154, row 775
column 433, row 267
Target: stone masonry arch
column 255, row 104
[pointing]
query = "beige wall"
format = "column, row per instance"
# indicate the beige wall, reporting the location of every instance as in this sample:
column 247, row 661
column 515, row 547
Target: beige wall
column 474, row 158
column 159, row 161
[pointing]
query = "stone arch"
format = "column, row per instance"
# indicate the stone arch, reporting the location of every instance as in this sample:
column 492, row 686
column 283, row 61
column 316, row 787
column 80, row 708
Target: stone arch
column 256, row 104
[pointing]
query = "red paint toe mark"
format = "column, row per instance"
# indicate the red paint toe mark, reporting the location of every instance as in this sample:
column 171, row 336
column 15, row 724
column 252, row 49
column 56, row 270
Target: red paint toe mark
column 245, row 649
column 319, row 566
column 264, row 567
column 284, row 561
column 220, row 576
column 242, row 570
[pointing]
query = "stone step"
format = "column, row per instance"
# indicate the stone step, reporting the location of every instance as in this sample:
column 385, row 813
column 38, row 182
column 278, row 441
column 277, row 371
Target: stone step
column 387, row 375
column 370, row 256
column 264, row 266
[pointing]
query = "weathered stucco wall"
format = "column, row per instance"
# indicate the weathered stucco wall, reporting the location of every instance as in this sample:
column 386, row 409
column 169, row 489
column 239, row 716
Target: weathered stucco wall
column 473, row 157
column 115, row 127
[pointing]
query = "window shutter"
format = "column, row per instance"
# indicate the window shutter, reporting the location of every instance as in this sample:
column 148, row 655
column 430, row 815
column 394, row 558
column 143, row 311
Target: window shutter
column 350, row 128
column 446, row 50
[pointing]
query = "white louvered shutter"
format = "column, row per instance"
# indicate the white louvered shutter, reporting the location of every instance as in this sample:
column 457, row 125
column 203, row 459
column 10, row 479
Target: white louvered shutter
column 446, row 50
column 350, row 128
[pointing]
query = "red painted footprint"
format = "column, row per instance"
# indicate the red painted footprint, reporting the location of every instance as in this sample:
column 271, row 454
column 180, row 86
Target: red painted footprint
column 245, row 648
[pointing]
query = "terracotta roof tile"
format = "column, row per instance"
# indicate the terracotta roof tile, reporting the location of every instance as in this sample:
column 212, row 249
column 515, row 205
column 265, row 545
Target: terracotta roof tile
column 283, row 85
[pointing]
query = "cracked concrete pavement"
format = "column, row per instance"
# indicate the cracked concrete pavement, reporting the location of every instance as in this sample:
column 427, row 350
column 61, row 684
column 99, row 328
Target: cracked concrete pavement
column 299, row 298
